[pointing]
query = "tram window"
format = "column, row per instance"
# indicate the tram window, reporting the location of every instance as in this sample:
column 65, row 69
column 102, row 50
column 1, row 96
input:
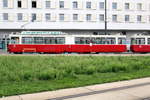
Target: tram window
column 27, row 40
column 38, row 40
column 133, row 41
column 93, row 40
column 82, row 40
column 121, row 41
column 110, row 40
column 140, row 41
column 77, row 40
column 14, row 40
column 87, row 40
column 54, row 40
column 101, row 40
column 60, row 40
column 47, row 40
column 98, row 41
column 148, row 41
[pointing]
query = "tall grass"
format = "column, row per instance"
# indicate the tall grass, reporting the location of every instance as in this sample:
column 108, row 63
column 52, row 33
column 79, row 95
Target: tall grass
column 33, row 68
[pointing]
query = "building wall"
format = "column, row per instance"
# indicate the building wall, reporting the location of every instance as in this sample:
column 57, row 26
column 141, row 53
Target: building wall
column 68, row 11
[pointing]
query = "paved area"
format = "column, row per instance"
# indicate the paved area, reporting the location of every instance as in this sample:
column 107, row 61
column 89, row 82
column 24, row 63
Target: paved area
column 3, row 52
column 138, row 89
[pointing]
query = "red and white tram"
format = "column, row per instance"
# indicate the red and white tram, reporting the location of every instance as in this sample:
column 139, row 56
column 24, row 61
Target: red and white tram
column 45, row 43
column 61, row 43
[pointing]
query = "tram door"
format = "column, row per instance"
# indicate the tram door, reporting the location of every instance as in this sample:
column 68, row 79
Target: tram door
column 2, row 44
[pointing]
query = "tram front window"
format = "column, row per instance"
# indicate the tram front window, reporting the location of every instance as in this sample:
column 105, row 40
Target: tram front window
column 14, row 40
column 138, row 41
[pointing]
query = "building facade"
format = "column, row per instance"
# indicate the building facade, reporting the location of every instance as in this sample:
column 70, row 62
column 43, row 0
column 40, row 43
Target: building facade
column 75, row 16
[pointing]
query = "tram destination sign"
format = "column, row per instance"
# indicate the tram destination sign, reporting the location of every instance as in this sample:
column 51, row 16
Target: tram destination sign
column 42, row 32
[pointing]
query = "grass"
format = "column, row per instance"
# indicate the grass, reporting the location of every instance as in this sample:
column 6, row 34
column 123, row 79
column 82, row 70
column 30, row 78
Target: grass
column 28, row 74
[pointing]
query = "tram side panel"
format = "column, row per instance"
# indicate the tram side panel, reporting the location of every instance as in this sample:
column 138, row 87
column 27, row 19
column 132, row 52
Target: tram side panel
column 109, row 48
column 21, row 48
column 140, row 48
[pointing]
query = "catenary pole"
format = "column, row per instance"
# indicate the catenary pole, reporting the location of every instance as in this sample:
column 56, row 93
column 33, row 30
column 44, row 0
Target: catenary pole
column 105, row 17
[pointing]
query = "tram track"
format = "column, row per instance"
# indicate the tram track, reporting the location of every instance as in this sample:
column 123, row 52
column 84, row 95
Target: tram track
column 102, row 54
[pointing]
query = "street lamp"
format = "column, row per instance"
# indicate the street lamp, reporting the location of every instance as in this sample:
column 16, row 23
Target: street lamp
column 105, row 17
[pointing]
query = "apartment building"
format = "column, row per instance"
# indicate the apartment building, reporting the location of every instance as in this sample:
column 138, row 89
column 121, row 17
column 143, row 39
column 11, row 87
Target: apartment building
column 75, row 16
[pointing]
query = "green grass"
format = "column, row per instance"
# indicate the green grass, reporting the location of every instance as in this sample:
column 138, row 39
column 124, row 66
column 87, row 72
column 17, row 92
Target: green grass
column 28, row 74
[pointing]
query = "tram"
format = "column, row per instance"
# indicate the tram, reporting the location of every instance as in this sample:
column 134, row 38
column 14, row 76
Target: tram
column 62, row 43
column 140, row 44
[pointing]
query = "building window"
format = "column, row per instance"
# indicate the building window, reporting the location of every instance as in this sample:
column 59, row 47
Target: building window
column 139, row 6
column 19, row 4
column 101, row 5
column 75, row 4
column 48, row 4
column 75, row 17
column 61, row 4
column 114, row 18
column 61, row 17
column 33, row 17
column 19, row 15
column 127, row 18
column 88, row 17
column 139, row 18
column 101, row 17
column 127, row 6
column 5, row 3
column 5, row 16
column 114, row 5
column 48, row 16
column 34, row 4
column 88, row 5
